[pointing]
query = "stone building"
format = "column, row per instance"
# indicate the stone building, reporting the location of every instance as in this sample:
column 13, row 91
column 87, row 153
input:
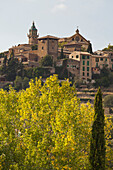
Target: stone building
column 85, row 64
column 48, row 45
column 79, row 62
column 25, row 54
column 102, row 59
column 74, row 43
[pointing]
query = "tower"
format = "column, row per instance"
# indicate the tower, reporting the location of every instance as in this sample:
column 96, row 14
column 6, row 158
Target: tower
column 33, row 34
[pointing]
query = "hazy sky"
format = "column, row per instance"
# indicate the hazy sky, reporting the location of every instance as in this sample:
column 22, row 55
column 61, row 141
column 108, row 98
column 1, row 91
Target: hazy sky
column 56, row 17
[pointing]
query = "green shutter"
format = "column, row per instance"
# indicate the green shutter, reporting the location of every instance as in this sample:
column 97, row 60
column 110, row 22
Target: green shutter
column 96, row 64
column 83, row 57
column 83, row 62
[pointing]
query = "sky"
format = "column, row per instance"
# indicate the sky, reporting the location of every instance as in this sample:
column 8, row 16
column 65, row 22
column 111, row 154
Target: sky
column 58, row 18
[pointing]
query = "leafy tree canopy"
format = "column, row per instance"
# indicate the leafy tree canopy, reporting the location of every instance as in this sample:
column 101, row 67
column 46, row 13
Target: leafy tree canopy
column 105, row 78
column 109, row 48
column 46, row 61
column 108, row 102
column 34, row 47
column 45, row 127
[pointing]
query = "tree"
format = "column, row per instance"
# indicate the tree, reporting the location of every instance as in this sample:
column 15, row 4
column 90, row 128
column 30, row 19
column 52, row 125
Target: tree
column 108, row 102
column 18, row 83
column 97, row 146
column 46, row 61
column 45, row 127
column 14, row 68
column 89, row 50
column 109, row 48
column 25, row 83
column 34, row 47
column 61, row 53
column 105, row 78
column 4, row 65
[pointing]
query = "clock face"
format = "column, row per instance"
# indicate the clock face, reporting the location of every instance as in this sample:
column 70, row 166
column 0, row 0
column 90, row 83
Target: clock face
column 77, row 38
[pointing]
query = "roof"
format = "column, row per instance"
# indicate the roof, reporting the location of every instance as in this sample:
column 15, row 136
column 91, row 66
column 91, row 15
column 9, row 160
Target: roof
column 77, row 33
column 81, row 52
column 48, row 37
column 73, row 43
column 33, row 26
column 100, row 56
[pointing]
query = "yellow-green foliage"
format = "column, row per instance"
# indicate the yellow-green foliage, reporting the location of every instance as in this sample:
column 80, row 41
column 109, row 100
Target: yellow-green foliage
column 45, row 128
column 61, row 44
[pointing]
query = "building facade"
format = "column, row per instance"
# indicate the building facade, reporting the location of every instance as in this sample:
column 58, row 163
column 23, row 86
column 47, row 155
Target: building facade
column 85, row 64
column 80, row 62
column 75, row 43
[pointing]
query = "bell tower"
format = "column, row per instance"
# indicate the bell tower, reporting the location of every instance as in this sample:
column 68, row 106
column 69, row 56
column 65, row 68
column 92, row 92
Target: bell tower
column 33, row 34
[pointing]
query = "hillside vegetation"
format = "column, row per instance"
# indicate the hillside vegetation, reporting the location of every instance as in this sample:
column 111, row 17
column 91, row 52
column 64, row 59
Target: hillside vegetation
column 46, row 127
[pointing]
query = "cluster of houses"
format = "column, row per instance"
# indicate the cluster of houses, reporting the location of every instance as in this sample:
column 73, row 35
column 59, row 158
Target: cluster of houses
column 77, row 52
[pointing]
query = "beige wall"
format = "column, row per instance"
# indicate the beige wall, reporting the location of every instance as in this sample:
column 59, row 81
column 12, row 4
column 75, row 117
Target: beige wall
column 85, row 63
column 85, row 67
column 100, row 61
column 73, row 66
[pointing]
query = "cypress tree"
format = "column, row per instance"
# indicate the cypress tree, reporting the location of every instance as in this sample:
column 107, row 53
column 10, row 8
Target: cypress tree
column 97, row 145
column 89, row 50
column 62, row 53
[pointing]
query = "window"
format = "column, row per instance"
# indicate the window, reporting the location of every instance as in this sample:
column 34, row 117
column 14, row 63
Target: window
column 83, row 57
column 83, row 74
column 96, row 64
column 112, row 59
column 83, row 62
column 97, row 59
column 87, row 63
column 105, row 59
column 112, row 66
column 72, row 39
column 83, row 68
column 67, row 65
column 76, row 56
column 36, row 59
column 42, row 48
column 88, row 57
column 72, row 56
column 52, row 47
column 87, row 68
column 24, row 59
column 101, row 59
column 88, row 74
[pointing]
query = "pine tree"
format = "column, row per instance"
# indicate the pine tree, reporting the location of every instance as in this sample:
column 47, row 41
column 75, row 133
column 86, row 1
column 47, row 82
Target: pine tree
column 97, row 145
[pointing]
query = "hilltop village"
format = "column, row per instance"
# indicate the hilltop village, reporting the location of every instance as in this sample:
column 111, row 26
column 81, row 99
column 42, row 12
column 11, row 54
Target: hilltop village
column 72, row 56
